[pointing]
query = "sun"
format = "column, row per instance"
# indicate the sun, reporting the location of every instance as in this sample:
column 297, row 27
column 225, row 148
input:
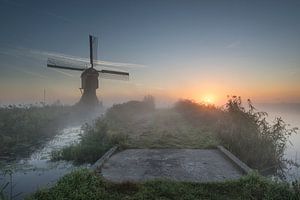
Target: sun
column 208, row 99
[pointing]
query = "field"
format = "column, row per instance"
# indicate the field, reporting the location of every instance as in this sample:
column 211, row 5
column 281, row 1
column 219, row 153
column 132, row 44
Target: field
column 137, row 125
column 164, row 128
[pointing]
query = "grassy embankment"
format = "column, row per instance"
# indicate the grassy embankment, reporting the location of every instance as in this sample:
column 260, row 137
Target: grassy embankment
column 137, row 125
column 23, row 128
column 83, row 184
column 186, row 125
column 245, row 132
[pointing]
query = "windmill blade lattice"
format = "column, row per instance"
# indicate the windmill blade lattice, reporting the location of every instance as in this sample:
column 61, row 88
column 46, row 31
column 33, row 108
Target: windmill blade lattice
column 64, row 63
column 89, row 75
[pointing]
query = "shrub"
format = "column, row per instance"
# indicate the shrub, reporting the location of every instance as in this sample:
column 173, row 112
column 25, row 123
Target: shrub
column 94, row 142
column 245, row 132
column 198, row 114
column 127, row 110
column 24, row 126
column 249, row 136
column 83, row 184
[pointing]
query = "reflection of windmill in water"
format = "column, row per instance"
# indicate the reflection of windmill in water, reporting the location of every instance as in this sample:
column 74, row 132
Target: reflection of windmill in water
column 89, row 76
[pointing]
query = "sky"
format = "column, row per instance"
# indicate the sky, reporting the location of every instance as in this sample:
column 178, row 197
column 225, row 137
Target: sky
column 200, row 50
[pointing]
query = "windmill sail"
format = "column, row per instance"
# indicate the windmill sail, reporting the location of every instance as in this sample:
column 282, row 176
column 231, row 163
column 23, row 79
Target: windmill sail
column 110, row 74
column 63, row 63
column 89, row 76
column 69, row 64
column 93, row 49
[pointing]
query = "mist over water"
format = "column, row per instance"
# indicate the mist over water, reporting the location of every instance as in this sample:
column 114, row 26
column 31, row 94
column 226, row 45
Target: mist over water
column 37, row 171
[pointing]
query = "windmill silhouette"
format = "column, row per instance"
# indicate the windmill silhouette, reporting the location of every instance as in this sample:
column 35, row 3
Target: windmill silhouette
column 89, row 75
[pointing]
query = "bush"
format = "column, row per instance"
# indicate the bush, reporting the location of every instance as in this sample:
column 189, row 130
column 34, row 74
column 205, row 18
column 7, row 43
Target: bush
column 127, row 110
column 198, row 114
column 245, row 132
column 83, row 184
column 24, row 126
column 249, row 136
column 94, row 142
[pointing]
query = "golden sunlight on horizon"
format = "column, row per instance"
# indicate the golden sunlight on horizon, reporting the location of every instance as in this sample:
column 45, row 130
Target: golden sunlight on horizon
column 208, row 99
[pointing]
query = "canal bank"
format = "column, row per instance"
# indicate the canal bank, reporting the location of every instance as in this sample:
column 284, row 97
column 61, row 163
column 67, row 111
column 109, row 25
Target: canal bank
column 38, row 171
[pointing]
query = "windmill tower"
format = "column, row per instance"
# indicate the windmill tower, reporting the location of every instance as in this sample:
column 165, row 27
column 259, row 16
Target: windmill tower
column 89, row 76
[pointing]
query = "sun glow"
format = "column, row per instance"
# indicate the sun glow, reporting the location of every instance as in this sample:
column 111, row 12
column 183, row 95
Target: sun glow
column 208, row 99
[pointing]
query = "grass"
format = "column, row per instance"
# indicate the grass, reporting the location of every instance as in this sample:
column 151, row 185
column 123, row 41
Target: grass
column 84, row 184
column 244, row 131
column 94, row 142
column 2, row 194
column 24, row 127
column 163, row 128
column 188, row 125
column 147, row 127
column 136, row 125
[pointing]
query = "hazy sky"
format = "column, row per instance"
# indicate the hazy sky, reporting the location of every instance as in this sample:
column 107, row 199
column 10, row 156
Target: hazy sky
column 188, row 49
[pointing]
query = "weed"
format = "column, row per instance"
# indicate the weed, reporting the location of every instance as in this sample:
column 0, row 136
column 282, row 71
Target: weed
column 22, row 127
column 83, row 184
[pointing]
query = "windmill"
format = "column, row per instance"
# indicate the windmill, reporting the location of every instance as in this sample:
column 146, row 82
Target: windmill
column 89, row 75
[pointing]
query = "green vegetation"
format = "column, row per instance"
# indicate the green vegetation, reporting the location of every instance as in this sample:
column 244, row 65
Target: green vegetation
column 24, row 127
column 83, row 184
column 9, row 185
column 245, row 132
column 2, row 188
column 94, row 142
column 159, row 128
column 137, row 124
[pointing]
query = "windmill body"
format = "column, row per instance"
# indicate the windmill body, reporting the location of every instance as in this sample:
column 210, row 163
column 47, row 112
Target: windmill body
column 89, row 76
column 89, row 85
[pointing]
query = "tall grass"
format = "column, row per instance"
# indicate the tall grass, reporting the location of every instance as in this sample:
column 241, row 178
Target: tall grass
column 137, row 124
column 6, row 189
column 104, row 133
column 248, row 134
column 244, row 131
column 2, row 189
column 94, row 142
column 23, row 127
column 199, row 114
column 148, row 127
column 86, row 185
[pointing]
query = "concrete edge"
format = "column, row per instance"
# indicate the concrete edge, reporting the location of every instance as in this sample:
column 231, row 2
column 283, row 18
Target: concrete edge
column 235, row 160
column 98, row 164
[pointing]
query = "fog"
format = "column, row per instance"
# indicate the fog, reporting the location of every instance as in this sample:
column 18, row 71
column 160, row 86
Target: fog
column 290, row 113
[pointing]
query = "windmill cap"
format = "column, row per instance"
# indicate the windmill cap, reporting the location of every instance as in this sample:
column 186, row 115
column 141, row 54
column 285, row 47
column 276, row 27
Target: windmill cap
column 90, row 72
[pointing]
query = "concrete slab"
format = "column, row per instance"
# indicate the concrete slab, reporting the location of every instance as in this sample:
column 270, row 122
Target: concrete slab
column 194, row 165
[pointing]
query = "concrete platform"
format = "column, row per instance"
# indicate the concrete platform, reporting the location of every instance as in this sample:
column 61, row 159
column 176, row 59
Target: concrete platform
column 194, row 165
